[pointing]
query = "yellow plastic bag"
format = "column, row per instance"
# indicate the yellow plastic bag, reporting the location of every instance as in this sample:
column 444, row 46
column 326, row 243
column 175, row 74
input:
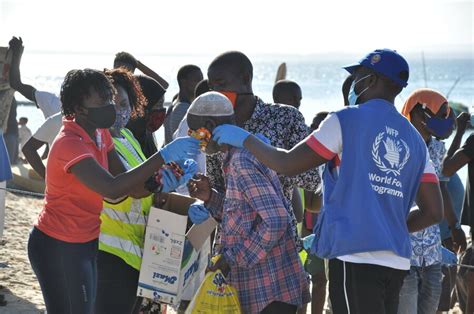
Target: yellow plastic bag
column 215, row 295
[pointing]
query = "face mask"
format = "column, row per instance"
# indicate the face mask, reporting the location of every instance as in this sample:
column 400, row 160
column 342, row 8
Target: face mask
column 155, row 119
column 233, row 96
column 102, row 117
column 439, row 126
column 352, row 97
column 121, row 117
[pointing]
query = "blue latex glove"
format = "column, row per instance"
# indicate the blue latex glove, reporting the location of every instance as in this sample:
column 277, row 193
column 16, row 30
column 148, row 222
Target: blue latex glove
column 198, row 213
column 230, row 134
column 190, row 168
column 308, row 242
column 263, row 138
column 180, row 149
column 448, row 257
column 168, row 180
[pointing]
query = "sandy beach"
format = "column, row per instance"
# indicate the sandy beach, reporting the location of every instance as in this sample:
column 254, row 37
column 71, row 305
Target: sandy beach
column 19, row 284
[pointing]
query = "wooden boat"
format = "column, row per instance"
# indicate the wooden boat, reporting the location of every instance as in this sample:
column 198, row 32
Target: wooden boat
column 25, row 178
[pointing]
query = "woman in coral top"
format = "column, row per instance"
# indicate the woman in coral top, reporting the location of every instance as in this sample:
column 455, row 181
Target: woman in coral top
column 83, row 168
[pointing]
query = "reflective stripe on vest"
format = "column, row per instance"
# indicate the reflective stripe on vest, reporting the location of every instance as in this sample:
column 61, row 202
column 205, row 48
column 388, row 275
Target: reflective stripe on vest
column 122, row 248
column 123, row 224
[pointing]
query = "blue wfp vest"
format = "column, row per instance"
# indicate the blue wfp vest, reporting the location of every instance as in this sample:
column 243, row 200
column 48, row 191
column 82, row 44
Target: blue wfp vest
column 365, row 206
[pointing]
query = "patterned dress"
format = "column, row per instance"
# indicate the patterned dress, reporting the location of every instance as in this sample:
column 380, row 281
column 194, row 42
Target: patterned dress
column 426, row 243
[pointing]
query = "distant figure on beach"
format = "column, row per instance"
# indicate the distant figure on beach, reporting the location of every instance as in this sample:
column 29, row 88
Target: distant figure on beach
column 287, row 92
column 188, row 77
column 363, row 228
column 126, row 60
column 259, row 250
column 84, row 168
column 24, row 133
column 47, row 102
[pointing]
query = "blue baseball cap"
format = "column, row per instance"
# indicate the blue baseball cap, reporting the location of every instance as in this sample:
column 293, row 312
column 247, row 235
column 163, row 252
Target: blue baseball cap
column 386, row 62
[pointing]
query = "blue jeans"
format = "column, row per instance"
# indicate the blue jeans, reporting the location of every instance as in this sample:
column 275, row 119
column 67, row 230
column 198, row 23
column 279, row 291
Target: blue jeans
column 66, row 272
column 421, row 290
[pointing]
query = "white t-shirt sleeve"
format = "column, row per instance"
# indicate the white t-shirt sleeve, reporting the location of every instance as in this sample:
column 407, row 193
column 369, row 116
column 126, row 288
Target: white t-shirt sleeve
column 48, row 103
column 326, row 141
column 182, row 129
column 429, row 174
column 49, row 129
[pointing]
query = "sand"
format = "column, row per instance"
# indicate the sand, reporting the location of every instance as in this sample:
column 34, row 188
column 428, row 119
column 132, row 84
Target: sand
column 20, row 286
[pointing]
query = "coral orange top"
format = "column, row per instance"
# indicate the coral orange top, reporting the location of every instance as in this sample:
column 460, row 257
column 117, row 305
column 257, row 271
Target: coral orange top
column 71, row 210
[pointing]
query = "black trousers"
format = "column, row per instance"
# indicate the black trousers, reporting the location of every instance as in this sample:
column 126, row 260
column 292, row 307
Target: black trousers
column 364, row 288
column 66, row 272
column 116, row 286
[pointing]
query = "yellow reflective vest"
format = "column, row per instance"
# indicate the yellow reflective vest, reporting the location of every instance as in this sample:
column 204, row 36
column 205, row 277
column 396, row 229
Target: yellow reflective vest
column 122, row 228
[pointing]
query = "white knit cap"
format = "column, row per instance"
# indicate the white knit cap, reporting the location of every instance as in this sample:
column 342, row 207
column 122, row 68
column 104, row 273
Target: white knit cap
column 211, row 104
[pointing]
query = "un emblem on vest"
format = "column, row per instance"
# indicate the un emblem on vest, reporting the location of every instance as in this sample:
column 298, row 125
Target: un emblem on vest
column 389, row 152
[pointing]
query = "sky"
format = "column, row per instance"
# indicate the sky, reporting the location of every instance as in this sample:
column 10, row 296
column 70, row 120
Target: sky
column 254, row 26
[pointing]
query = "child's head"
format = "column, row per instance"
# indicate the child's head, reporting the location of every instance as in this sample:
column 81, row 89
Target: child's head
column 320, row 116
column 23, row 121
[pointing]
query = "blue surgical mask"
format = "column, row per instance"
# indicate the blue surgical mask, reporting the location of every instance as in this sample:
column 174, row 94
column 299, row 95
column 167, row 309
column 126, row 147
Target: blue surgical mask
column 439, row 126
column 352, row 97
column 122, row 117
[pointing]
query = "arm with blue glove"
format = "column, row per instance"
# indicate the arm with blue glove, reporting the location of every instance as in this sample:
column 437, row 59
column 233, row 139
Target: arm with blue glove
column 100, row 180
column 287, row 162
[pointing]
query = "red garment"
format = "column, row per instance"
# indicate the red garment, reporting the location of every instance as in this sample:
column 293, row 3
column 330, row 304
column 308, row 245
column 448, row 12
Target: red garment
column 71, row 210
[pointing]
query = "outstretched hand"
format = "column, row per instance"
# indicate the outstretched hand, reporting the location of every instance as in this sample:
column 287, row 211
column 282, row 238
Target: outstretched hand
column 221, row 264
column 230, row 134
column 200, row 187
column 189, row 167
column 462, row 121
column 198, row 213
column 16, row 46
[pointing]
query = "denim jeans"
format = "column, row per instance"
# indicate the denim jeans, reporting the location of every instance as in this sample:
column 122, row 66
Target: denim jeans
column 421, row 290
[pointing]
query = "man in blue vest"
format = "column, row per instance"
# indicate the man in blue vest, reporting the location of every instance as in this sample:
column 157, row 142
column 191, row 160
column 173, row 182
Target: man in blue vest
column 376, row 165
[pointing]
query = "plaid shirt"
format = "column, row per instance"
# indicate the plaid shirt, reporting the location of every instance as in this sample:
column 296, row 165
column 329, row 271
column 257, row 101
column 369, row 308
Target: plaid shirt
column 257, row 236
column 285, row 127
